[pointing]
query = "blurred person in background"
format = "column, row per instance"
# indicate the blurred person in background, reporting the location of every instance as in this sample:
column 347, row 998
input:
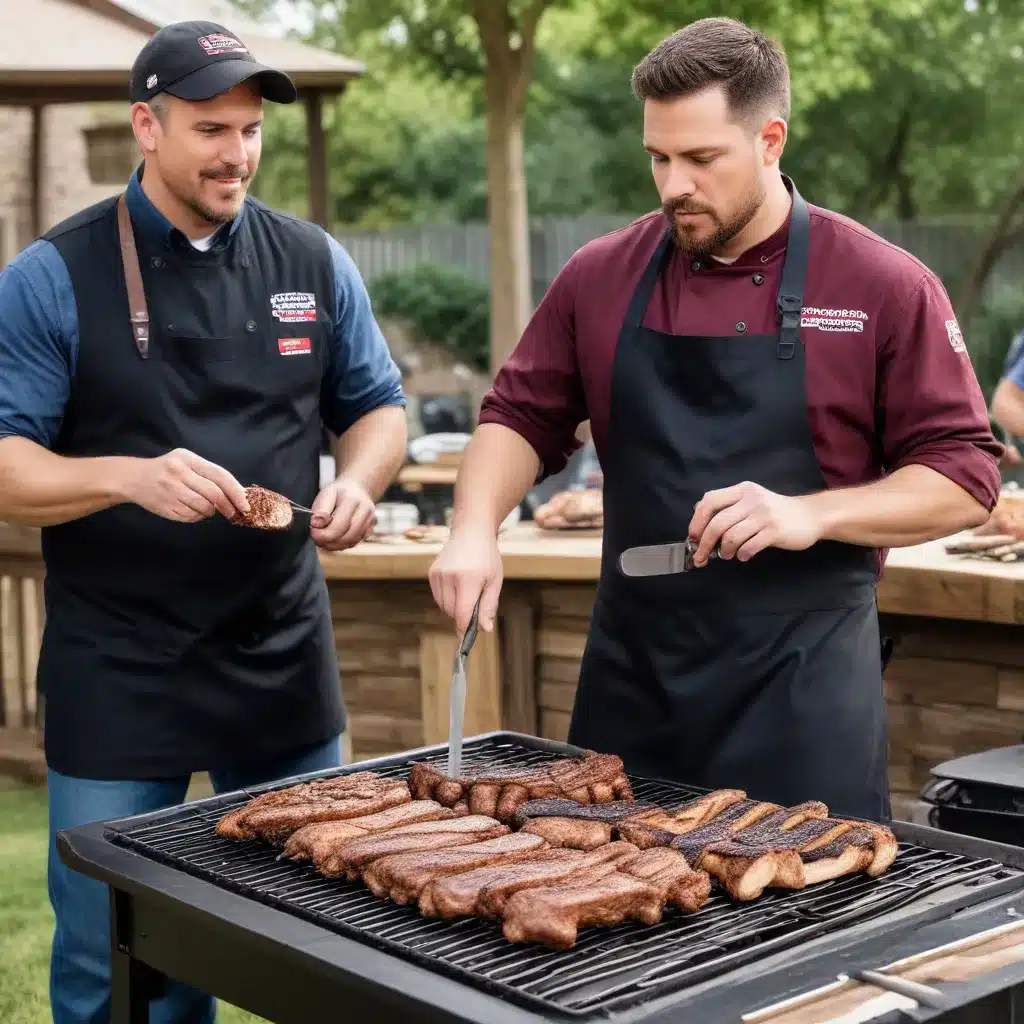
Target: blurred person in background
column 1007, row 410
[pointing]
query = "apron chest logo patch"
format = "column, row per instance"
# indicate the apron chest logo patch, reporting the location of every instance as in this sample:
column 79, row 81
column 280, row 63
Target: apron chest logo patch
column 294, row 346
column 293, row 307
column 846, row 320
column 956, row 339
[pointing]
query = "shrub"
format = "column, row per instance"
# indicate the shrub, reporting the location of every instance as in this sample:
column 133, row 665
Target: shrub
column 440, row 304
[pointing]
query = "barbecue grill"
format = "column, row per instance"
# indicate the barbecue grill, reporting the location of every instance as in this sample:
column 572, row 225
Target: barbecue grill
column 280, row 940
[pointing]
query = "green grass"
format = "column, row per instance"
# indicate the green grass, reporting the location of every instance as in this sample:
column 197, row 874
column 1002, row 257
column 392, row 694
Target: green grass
column 26, row 920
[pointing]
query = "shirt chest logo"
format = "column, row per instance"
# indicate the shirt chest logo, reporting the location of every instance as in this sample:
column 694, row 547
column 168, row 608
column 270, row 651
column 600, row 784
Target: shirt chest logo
column 293, row 307
column 847, row 321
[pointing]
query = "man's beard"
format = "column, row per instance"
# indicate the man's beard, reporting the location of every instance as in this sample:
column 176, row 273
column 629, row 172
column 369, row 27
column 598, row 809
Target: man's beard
column 200, row 209
column 699, row 246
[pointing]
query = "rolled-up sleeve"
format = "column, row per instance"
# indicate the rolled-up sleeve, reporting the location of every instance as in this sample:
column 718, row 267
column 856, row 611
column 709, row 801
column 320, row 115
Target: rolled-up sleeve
column 38, row 344
column 932, row 409
column 361, row 375
column 539, row 393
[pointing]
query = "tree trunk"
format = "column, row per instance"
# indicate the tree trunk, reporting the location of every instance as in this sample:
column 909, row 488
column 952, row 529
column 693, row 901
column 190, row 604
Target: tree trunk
column 508, row 66
column 1005, row 231
column 511, row 300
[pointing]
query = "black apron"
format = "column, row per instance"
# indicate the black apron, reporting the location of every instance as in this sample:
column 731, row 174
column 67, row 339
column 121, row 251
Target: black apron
column 763, row 675
column 177, row 647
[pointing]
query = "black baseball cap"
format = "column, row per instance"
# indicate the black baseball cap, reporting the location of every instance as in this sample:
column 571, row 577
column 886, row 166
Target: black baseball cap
column 198, row 60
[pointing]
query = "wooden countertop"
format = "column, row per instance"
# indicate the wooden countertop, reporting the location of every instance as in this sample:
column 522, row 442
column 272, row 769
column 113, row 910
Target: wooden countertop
column 921, row 580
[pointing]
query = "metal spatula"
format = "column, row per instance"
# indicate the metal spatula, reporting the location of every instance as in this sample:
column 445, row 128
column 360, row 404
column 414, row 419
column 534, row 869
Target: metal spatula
column 458, row 696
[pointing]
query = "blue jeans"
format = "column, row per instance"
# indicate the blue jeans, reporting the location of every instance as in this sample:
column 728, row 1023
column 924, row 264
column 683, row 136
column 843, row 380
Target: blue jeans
column 80, row 960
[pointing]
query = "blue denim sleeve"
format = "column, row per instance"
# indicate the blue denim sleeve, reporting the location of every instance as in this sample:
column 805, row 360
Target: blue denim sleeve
column 38, row 343
column 1013, row 368
column 361, row 375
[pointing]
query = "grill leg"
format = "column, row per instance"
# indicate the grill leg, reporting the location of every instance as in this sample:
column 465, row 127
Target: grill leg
column 131, row 981
column 129, row 991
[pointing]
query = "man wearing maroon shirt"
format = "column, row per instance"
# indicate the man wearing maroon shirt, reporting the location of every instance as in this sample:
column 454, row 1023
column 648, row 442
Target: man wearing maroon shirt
column 769, row 379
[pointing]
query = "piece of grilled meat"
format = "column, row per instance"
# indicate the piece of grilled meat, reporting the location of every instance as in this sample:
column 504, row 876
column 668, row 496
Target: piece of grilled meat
column 484, row 891
column 278, row 813
column 594, row 779
column 351, row 856
column 553, row 915
column 315, row 842
column 565, row 823
column 404, row 876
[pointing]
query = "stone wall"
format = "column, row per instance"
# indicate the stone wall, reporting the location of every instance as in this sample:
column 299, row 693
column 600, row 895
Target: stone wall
column 66, row 186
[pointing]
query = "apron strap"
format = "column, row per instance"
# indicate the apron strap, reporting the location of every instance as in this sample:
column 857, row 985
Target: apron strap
column 133, row 278
column 645, row 289
column 794, row 274
column 790, row 300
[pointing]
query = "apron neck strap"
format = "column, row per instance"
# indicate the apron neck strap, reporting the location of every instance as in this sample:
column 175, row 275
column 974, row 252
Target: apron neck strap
column 791, row 290
column 790, row 300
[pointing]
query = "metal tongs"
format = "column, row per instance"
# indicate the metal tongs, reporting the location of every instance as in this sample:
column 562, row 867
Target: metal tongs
column 458, row 696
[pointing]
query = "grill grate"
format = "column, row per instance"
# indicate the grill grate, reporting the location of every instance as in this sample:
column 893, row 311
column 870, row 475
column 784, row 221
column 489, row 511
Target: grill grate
column 609, row 969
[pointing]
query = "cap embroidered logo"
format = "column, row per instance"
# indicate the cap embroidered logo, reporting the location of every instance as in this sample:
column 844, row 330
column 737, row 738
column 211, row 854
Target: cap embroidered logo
column 151, row 81
column 956, row 339
column 216, row 44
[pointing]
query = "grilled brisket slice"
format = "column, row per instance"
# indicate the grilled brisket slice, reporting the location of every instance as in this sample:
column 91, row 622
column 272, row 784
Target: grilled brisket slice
column 316, row 842
column 484, row 891
column 350, row 856
column 404, row 876
column 670, row 873
column 276, row 824
column 596, row 778
column 553, row 915
column 570, row 833
column 614, row 811
column 236, row 825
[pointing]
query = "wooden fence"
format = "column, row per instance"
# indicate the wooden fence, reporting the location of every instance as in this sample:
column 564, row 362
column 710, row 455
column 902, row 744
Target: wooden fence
column 946, row 246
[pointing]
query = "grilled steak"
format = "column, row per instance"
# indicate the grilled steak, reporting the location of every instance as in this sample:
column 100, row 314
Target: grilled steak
column 268, row 510
column 669, row 872
column 748, row 846
column 404, row 876
column 315, row 842
column 360, row 793
column 596, row 778
column 615, row 811
column 570, row 833
column 350, row 856
column 554, row 915
column 484, row 891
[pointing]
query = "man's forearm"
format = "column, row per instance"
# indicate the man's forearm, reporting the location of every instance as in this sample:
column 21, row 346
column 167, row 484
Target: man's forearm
column 373, row 449
column 498, row 469
column 39, row 488
column 913, row 505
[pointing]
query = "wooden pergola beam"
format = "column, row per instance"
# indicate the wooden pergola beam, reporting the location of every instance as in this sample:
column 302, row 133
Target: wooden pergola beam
column 37, row 164
column 316, row 158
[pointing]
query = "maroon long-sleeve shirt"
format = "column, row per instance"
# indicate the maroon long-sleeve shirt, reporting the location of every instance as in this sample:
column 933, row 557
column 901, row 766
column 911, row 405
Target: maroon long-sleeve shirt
column 889, row 381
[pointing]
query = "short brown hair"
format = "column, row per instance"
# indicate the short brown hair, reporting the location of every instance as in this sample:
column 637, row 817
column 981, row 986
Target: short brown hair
column 750, row 66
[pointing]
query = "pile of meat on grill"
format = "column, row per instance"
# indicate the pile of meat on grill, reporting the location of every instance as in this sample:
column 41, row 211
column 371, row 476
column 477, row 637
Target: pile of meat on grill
column 572, row 510
column 547, row 851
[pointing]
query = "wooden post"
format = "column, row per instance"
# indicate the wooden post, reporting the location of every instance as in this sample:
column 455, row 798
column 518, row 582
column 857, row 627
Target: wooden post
column 316, row 143
column 36, row 168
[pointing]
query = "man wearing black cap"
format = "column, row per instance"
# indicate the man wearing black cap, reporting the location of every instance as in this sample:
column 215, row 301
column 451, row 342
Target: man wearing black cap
column 158, row 351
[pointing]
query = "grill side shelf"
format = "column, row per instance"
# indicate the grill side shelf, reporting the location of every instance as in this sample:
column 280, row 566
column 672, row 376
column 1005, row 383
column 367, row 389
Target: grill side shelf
column 610, row 970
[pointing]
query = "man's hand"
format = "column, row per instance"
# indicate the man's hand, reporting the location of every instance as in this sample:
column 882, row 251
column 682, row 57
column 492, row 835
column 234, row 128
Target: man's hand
column 342, row 515
column 747, row 518
column 1011, row 456
column 468, row 567
column 184, row 487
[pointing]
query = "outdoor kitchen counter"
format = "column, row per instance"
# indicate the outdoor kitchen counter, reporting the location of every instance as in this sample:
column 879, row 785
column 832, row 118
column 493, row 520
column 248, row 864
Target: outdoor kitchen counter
column 955, row 684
